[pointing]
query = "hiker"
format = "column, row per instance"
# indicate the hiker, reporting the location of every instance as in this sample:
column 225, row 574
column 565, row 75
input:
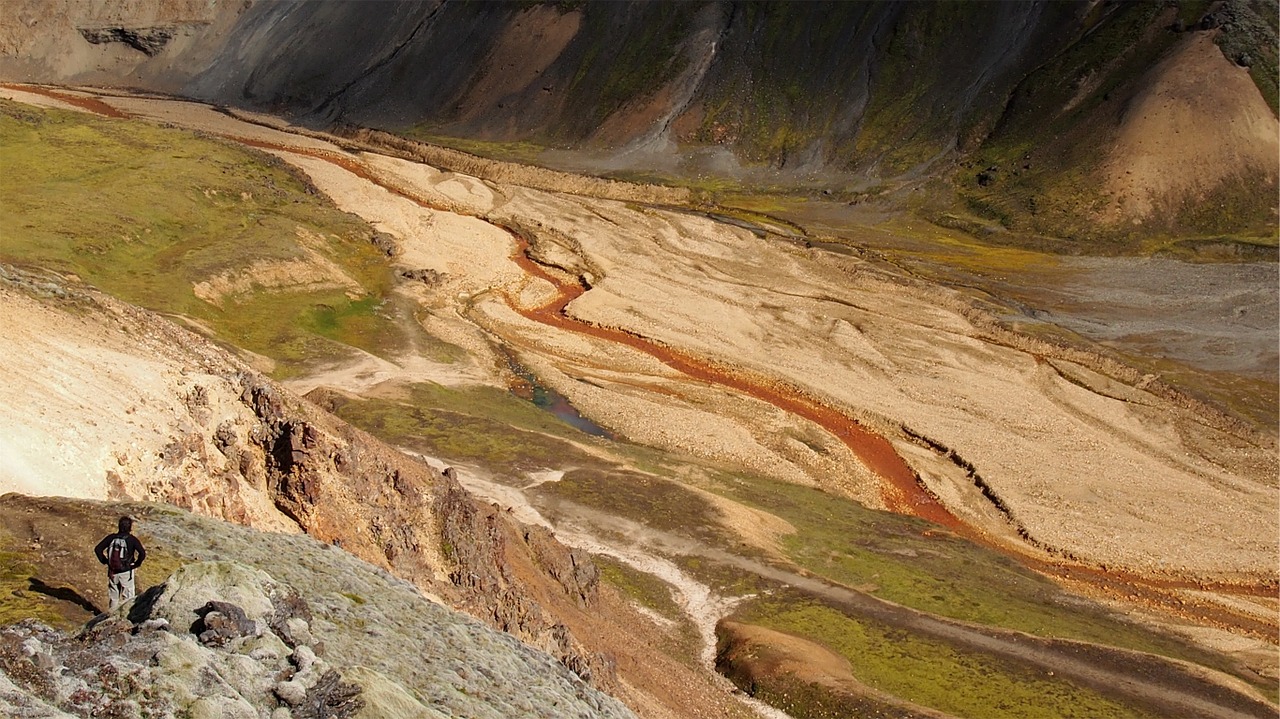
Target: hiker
column 122, row 553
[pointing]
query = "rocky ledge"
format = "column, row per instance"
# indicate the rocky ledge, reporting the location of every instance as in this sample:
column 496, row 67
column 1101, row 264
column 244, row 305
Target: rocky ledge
column 272, row 626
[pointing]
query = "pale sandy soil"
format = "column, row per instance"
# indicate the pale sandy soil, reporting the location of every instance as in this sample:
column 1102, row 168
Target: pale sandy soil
column 1122, row 478
column 1200, row 122
column 32, row 98
column 1105, row 470
column 100, row 405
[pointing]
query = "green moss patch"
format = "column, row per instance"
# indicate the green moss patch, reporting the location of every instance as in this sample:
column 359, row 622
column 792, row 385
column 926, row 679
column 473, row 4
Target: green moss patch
column 484, row 425
column 17, row 599
column 147, row 212
column 929, row 672
column 916, row 564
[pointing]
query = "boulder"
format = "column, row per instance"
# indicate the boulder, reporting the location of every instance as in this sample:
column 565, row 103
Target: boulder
column 193, row 586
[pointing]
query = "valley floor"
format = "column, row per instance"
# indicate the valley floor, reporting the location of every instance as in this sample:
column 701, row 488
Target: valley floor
column 751, row 352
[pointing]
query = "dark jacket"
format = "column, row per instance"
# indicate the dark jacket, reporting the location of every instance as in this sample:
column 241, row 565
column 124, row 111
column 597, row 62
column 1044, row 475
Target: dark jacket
column 135, row 555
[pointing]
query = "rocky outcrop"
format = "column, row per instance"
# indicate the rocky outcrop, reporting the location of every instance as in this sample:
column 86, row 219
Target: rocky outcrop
column 237, row 446
column 224, row 639
column 473, row 534
column 146, row 40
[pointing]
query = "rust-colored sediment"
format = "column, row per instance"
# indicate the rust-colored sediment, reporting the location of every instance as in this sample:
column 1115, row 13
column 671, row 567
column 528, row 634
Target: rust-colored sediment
column 92, row 104
column 902, row 492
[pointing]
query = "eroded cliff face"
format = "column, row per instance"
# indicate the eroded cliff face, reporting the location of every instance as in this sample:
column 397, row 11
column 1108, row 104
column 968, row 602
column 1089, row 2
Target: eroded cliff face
column 1026, row 96
column 204, row 431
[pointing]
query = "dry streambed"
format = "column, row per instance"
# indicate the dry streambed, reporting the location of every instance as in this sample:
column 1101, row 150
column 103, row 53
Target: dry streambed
column 1038, row 453
column 1043, row 454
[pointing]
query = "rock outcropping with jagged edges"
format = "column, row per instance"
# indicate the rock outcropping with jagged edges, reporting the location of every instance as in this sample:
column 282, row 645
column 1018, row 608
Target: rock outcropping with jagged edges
column 273, row 626
column 230, row 443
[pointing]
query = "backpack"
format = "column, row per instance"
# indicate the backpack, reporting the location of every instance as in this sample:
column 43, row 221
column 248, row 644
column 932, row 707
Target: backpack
column 118, row 555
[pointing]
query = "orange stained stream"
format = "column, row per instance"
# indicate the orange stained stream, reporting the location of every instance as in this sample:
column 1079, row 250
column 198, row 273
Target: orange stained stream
column 902, row 491
column 91, row 104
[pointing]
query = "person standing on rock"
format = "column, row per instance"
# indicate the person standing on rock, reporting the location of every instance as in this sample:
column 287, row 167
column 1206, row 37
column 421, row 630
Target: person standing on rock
column 122, row 553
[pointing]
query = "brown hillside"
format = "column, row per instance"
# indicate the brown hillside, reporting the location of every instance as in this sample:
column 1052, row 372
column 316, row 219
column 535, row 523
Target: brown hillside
column 1198, row 124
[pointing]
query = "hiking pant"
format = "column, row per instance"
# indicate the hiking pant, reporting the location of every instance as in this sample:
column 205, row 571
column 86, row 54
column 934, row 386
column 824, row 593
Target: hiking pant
column 119, row 589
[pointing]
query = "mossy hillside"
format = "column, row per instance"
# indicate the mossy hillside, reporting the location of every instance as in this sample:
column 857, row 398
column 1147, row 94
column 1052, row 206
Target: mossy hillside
column 770, row 116
column 1241, row 210
column 146, row 212
column 1249, row 37
column 939, row 250
column 801, row 699
column 443, row 662
column 1118, row 43
column 902, row 124
column 621, row 61
column 929, row 672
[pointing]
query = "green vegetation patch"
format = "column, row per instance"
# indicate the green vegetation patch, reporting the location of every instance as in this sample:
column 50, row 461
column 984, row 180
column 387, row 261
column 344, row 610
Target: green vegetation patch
column 651, row 500
column 1248, row 37
column 929, row 672
column 615, row 71
column 655, row 595
column 645, row 589
column 17, row 599
column 485, row 425
column 148, row 213
column 919, row 565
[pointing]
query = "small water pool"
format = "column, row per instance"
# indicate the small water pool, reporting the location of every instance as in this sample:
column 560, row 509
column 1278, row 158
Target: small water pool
column 543, row 397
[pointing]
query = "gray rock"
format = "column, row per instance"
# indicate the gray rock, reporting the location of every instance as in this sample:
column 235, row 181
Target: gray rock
column 303, row 658
column 291, row 692
column 221, row 623
column 428, row 661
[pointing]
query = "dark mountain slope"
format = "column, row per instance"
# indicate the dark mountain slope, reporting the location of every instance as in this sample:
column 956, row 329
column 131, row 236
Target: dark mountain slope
column 842, row 95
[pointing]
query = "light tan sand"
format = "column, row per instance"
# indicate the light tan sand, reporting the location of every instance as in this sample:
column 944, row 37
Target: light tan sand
column 1122, row 478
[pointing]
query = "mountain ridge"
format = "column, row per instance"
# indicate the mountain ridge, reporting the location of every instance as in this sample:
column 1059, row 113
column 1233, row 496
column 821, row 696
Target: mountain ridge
column 1005, row 104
